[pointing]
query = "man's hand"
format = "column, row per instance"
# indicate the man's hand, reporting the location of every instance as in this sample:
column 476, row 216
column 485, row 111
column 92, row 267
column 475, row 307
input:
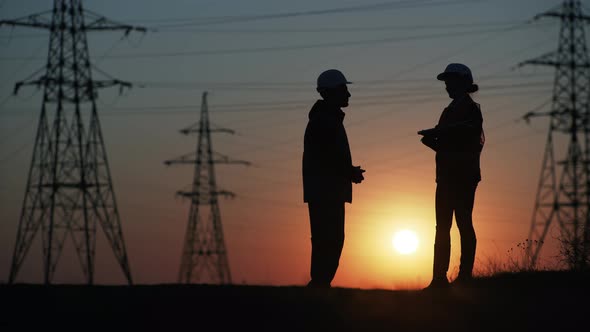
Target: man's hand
column 357, row 174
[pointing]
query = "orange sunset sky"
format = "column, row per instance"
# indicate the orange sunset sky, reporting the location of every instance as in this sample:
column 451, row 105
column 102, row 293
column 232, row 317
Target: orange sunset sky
column 260, row 73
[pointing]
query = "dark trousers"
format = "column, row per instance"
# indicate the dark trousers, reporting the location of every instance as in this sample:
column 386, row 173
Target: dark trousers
column 327, row 240
column 454, row 198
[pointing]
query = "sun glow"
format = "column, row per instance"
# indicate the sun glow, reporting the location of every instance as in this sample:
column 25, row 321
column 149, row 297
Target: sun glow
column 405, row 242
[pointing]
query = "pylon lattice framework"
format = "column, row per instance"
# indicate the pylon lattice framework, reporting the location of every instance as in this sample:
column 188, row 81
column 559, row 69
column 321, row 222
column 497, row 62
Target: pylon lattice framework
column 69, row 188
column 566, row 201
column 204, row 254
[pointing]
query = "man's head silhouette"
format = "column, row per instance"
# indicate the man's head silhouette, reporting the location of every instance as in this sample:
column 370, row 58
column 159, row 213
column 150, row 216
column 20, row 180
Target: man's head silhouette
column 332, row 86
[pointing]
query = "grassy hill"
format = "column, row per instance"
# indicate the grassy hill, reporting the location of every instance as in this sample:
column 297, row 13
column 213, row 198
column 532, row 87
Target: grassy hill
column 505, row 302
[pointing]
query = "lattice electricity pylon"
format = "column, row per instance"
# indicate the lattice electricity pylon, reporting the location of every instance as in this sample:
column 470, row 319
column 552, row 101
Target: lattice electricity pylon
column 69, row 188
column 566, row 201
column 204, row 255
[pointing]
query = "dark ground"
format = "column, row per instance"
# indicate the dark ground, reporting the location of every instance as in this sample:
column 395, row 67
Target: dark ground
column 539, row 301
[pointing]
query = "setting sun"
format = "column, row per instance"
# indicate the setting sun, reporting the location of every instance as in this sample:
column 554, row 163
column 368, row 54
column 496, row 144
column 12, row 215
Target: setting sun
column 405, row 242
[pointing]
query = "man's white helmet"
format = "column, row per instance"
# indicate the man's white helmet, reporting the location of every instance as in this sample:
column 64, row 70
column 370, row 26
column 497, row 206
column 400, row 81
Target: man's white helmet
column 331, row 78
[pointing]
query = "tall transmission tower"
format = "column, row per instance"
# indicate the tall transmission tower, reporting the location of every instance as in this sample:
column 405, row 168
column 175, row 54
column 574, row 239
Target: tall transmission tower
column 563, row 195
column 204, row 255
column 69, row 188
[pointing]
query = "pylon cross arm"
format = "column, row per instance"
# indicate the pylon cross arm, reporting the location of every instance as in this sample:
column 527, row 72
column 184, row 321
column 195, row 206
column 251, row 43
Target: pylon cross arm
column 188, row 158
column 110, row 83
column 225, row 193
column 547, row 59
column 96, row 22
column 582, row 17
column 41, row 20
column 223, row 159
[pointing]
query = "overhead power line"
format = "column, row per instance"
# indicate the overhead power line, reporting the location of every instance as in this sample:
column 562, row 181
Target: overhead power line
column 279, row 107
column 397, row 27
column 301, row 46
column 390, row 5
column 329, row 29
column 307, row 84
column 363, row 100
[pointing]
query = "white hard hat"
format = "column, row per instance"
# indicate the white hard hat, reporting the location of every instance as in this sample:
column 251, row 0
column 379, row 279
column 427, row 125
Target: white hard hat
column 456, row 69
column 331, row 78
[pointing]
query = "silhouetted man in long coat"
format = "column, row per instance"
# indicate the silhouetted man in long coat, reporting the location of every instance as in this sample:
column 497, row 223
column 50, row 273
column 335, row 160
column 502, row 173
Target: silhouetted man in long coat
column 328, row 175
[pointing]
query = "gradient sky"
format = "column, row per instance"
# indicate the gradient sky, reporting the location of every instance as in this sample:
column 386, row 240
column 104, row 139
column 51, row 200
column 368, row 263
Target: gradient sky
column 260, row 75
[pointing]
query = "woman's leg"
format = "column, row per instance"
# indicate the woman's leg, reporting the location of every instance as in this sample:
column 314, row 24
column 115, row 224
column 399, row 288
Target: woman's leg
column 444, row 219
column 463, row 214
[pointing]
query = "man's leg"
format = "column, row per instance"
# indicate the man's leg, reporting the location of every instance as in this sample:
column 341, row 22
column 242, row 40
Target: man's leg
column 336, row 238
column 463, row 214
column 320, row 215
column 318, row 248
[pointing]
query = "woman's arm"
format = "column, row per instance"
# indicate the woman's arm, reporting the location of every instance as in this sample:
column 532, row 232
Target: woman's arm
column 430, row 141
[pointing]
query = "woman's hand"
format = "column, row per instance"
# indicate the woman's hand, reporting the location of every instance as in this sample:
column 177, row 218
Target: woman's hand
column 357, row 174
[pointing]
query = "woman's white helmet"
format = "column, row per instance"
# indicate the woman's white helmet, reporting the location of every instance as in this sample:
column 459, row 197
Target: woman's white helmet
column 456, row 69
